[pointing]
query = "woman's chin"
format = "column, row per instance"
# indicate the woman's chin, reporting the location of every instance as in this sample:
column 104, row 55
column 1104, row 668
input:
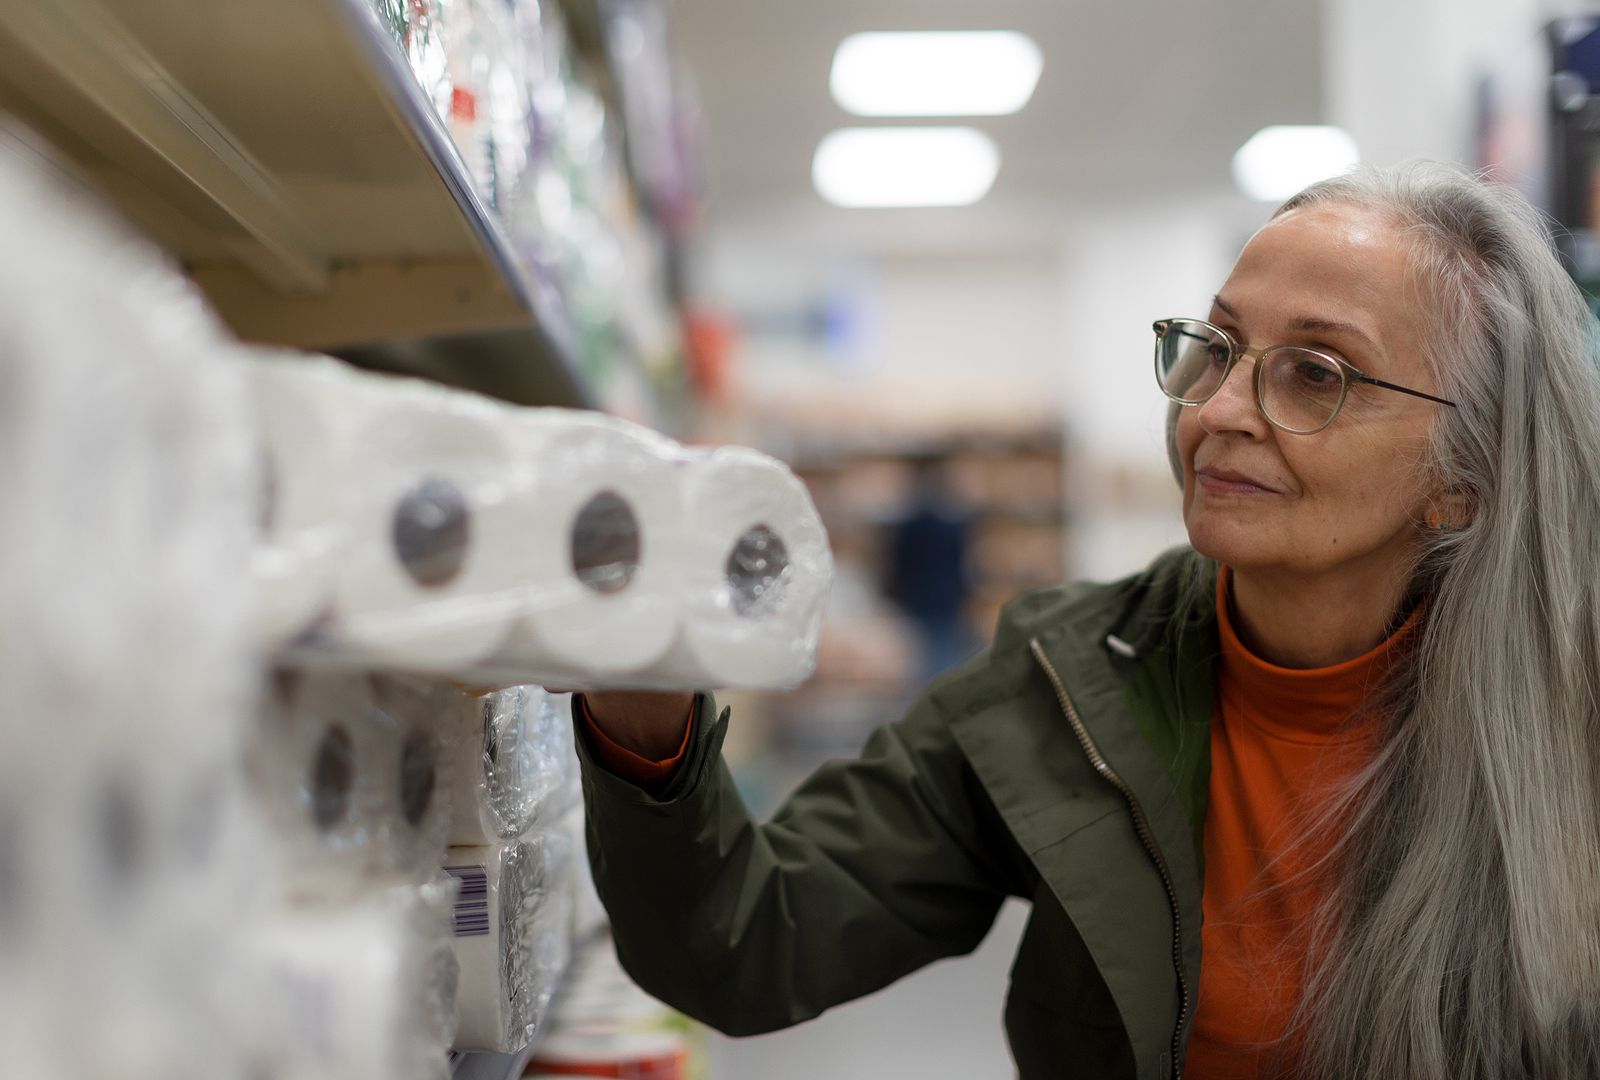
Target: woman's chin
column 1227, row 541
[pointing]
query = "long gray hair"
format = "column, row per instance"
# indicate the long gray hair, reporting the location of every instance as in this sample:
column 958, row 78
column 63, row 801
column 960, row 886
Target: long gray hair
column 1462, row 926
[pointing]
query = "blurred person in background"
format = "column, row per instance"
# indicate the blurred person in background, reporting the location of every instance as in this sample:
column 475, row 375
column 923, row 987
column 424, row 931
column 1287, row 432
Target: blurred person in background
column 1315, row 797
column 927, row 574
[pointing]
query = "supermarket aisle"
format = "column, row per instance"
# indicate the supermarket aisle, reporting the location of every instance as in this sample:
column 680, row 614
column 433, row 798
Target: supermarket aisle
column 942, row 1022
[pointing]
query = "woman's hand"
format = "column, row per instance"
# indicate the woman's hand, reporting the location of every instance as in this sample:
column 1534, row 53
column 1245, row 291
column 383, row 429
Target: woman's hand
column 648, row 723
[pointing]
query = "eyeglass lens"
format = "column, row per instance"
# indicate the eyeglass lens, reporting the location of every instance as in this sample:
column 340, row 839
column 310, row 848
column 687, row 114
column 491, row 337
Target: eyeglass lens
column 1300, row 390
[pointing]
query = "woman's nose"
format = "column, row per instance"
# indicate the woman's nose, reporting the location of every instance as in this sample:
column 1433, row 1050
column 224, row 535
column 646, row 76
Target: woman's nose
column 1233, row 406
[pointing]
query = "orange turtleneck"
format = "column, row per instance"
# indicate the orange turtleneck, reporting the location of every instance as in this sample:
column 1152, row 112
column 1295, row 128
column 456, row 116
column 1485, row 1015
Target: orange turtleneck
column 1281, row 739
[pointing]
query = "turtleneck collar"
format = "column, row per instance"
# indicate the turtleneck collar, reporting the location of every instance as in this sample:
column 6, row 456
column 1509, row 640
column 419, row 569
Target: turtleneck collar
column 1305, row 704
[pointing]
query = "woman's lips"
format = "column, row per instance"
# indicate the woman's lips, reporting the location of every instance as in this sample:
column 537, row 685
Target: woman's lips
column 1228, row 482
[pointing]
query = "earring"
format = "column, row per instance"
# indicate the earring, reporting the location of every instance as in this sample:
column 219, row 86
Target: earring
column 1437, row 522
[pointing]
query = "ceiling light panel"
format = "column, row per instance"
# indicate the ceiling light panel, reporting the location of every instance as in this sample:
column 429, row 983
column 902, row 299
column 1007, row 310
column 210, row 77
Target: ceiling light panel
column 905, row 166
column 935, row 73
column 1278, row 161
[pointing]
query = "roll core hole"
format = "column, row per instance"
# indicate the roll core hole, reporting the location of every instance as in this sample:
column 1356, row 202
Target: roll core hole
column 606, row 547
column 266, row 491
column 332, row 777
column 757, row 570
column 121, row 833
column 10, row 870
column 416, row 777
column 432, row 530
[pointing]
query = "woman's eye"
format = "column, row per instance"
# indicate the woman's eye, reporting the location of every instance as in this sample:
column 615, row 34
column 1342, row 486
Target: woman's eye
column 1315, row 374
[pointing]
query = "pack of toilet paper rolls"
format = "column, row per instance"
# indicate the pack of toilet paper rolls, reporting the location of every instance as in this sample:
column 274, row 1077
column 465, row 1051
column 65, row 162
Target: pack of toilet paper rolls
column 512, row 928
column 413, row 527
column 510, row 769
column 126, row 656
column 350, row 776
column 365, row 989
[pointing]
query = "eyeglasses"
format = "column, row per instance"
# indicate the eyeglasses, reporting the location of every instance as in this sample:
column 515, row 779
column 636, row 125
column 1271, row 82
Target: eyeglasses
column 1299, row 390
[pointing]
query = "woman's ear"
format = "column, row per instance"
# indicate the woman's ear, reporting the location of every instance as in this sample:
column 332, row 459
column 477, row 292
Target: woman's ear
column 1451, row 510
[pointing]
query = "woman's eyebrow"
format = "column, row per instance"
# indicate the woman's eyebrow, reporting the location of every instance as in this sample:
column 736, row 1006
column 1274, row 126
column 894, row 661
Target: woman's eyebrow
column 1309, row 323
column 1332, row 326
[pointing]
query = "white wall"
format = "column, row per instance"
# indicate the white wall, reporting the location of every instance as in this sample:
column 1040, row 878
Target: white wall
column 956, row 338
column 1400, row 76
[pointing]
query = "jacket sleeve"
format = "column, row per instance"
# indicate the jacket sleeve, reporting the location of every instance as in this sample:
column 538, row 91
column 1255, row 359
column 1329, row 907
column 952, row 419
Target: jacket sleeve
column 873, row 868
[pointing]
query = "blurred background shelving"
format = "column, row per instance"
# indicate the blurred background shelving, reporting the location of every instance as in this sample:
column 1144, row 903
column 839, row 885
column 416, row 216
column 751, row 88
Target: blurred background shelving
column 436, row 188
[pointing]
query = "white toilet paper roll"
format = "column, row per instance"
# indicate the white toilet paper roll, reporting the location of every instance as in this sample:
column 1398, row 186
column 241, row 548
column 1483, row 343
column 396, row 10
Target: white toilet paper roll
column 306, row 407
column 431, row 573
column 366, row 990
column 506, row 767
column 511, row 927
column 412, row 720
column 757, row 577
column 600, row 523
column 316, row 770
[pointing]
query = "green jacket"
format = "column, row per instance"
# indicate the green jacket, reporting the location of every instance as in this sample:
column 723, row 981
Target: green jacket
column 1066, row 765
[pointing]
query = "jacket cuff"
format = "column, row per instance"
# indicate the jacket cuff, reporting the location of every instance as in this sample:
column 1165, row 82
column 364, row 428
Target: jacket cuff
column 682, row 774
column 647, row 773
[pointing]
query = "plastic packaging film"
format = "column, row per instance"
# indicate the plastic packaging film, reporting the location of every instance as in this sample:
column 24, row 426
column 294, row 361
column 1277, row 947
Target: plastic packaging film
column 411, row 720
column 358, row 991
column 349, row 775
column 758, row 577
column 431, row 571
column 314, row 766
column 303, row 407
column 125, row 657
column 602, row 547
column 508, row 768
column 517, row 545
column 512, row 927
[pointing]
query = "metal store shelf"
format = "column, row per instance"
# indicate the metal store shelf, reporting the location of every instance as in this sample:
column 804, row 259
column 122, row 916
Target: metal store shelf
column 286, row 155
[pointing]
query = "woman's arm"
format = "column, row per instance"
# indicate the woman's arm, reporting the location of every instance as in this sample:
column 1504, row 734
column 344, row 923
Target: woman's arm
column 873, row 868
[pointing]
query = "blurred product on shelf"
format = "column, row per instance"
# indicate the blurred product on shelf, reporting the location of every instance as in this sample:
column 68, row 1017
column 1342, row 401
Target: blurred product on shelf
column 245, row 852
column 604, row 1025
column 510, row 768
column 513, row 545
column 126, row 667
column 548, row 155
column 512, row 936
column 366, row 989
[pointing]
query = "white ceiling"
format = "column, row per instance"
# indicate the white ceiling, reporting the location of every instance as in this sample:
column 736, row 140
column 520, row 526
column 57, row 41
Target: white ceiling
column 1138, row 100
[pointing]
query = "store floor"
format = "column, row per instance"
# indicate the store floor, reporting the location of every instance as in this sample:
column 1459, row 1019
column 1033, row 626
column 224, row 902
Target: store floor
column 942, row 1023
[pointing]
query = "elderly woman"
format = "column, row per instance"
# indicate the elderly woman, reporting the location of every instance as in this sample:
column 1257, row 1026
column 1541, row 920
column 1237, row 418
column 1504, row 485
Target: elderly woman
column 1315, row 798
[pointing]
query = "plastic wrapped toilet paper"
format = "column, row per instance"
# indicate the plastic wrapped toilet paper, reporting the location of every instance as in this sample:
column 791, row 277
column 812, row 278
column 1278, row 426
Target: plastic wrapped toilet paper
column 412, row 720
column 366, row 990
column 125, row 664
column 304, row 412
column 600, row 548
column 508, row 767
column 473, row 539
column 316, row 770
column 431, row 576
column 757, row 577
column 511, row 924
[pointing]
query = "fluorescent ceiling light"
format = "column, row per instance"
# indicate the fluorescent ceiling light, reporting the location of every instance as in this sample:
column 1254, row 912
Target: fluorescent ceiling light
column 935, row 73
column 1278, row 161
column 906, row 166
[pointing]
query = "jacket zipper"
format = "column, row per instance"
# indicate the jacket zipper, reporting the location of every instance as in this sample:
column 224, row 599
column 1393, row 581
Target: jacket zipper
column 1142, row 826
